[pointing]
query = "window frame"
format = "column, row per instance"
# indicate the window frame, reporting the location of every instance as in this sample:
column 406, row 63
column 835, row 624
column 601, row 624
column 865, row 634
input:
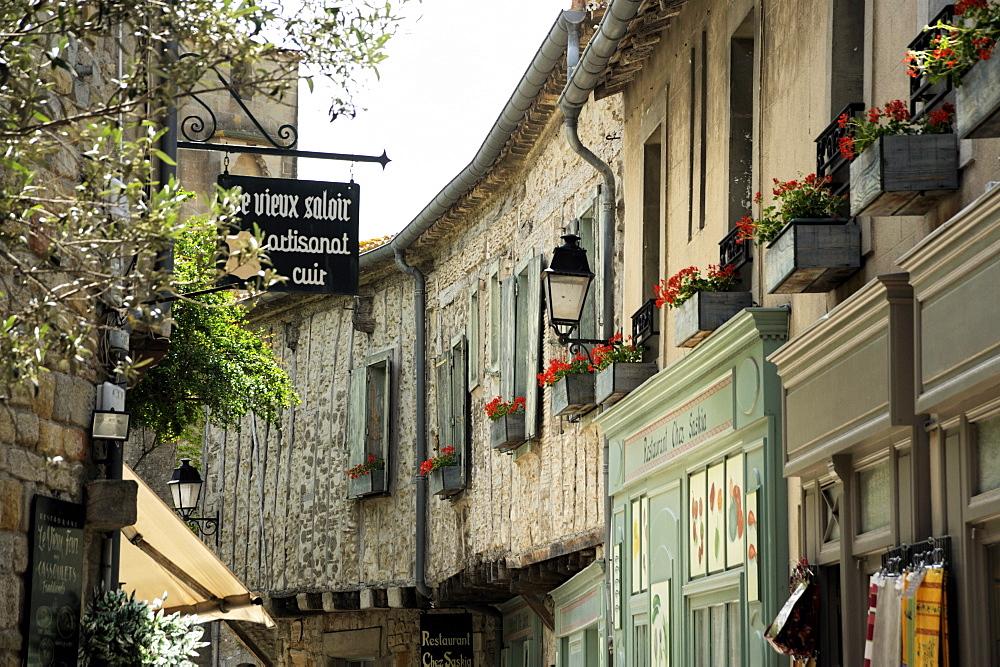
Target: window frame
column 359, row 420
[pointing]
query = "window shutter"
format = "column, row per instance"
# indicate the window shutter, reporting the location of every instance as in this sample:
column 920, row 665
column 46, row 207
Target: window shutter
column 442, row 374
column 532, row 353
column 474, row 348
column 459, row 399
column 508, row 314
column 378, row 420
column 356, row 416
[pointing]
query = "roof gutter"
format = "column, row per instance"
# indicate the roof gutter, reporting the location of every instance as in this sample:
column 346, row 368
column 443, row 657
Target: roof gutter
column 547, row 58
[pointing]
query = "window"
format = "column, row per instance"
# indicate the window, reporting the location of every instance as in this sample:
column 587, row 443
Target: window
column 718, row 635
column 369, row 420
column 453, row 399
column 640, row 642
column 652, row 186
column 495, row 306
column 521, row 340
column 986, row 435
column 589, row 317
column 475, row 344
column 741, row 112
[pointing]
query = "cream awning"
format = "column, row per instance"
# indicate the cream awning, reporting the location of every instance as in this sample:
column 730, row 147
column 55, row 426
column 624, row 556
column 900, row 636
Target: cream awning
column 160, row 554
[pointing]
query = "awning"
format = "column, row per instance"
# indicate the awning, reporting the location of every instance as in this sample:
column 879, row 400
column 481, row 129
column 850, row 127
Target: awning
column 160, row 554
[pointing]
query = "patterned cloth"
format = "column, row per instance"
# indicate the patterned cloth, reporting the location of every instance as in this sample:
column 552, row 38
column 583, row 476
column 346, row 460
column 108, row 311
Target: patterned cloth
column 873, row 585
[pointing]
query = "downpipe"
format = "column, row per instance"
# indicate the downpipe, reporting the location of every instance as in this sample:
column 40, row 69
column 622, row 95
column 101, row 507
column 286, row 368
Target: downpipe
column 607, row 217
column 420, row 370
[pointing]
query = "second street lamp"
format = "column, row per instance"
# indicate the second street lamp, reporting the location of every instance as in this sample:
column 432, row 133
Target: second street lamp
column 567, row 281
column 185, row 489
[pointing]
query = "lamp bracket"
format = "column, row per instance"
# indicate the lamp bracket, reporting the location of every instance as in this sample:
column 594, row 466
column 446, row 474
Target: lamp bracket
column 205, row 526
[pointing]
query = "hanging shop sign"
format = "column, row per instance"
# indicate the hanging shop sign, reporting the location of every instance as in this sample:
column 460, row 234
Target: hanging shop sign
column 683, row 428
column 310, row 231
column 446, row 639
column 56, row 582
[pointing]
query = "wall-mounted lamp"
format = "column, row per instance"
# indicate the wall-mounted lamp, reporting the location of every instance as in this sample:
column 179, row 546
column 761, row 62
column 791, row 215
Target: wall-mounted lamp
column 185, row 489
column 567, row 281
column 109, row 425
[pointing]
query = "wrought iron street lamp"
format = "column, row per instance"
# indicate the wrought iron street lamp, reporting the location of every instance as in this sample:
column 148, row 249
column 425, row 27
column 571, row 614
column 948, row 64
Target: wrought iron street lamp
column 185, row 489
column 567, row 281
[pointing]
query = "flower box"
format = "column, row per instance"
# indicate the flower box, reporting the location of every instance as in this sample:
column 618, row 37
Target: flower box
column 977, row 101
column 904, row 174
column 445, row 481
column 507, row 433
column 812, row 256
column 573, row 395
column 372, row 484
column 619, row 380
column 705, row 312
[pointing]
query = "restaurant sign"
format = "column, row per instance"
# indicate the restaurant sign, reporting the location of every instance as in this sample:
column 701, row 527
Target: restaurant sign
column 54, row 603
column 683, row 428
column 310, row 231
column 446, row 639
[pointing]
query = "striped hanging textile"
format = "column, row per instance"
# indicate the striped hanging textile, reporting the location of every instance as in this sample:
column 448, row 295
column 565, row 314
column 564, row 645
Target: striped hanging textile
column 928, row 622
column 870, row 629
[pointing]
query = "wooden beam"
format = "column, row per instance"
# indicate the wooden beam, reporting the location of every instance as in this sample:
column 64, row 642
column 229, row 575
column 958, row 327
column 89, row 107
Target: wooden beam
column 538, row 607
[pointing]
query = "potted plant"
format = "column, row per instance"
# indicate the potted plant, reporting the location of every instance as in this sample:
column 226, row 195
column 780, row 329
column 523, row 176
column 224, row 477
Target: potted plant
column 368, row 478
column 899, row 166
column 444, row 475
column 572, row 385
column 962, row 52
column 619, row 369
column 703, row 304
column 506, row 423
column 810, row 248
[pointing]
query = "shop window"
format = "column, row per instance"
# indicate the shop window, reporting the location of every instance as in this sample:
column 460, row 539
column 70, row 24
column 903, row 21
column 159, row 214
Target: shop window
column 718, row 636
column 640, row 642
column 875, row 489
column 521, row 339
column 640, row 545
column 986, row 435
column 369, row 416
column 453, row 398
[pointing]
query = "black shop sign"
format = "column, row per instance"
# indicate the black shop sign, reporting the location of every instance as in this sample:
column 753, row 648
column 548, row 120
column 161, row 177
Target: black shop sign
column 310, row 230
column 446, row 640
column 56, row 585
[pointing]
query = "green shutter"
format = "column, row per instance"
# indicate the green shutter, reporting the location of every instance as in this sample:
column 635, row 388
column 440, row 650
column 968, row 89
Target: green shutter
column 356, row 416
column 475, row 346
column 533, row 345
column 459, row 398
column 442, row 376
column 508, row 314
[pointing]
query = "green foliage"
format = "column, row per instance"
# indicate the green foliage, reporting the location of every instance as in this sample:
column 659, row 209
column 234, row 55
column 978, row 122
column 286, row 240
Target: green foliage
column 215, row 361
column 84, row 89
column 119, row 630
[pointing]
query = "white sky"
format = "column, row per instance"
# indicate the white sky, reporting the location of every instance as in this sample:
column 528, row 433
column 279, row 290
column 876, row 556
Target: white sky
column 450, row 71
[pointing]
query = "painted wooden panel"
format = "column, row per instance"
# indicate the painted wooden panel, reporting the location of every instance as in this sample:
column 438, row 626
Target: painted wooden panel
column 904, row 174
column 697, row 506
column 716, row 546
column 705, row 312
column 978, row 101
column 807, row 258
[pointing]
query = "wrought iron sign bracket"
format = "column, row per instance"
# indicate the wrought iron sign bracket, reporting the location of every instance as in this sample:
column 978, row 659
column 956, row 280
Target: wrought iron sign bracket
column 196, row 131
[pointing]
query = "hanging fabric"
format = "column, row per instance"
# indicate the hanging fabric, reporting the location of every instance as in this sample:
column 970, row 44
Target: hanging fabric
column 796, row 627
column 886, row 633
column 870, row 626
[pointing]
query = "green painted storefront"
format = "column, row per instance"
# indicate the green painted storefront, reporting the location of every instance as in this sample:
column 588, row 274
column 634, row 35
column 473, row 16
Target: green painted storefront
column 698, row 559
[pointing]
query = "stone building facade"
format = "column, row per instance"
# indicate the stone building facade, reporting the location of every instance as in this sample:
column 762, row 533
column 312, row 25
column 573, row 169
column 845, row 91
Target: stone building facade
column 339, row 558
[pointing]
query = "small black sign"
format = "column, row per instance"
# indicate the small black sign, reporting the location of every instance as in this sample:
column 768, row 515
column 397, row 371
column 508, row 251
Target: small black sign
column 310, row 230
column 56, row 582
column 446, row 640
